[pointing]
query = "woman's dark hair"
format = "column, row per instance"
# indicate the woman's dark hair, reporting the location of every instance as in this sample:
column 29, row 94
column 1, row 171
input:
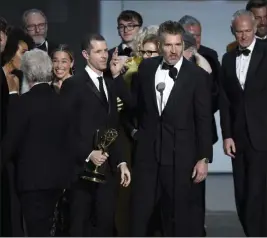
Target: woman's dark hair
column 64, row 48
column 15, row 36
column 3, row 25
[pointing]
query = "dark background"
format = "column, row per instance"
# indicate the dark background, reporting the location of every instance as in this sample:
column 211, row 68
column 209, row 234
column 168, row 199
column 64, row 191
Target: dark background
column 68, row 20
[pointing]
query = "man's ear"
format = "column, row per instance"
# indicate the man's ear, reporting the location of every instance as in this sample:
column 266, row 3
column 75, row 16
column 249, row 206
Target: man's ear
column 232, row 30
column 85, row 54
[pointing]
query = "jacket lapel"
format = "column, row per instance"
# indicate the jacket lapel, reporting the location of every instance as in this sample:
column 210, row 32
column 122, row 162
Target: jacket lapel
column 232, row 68
column 157, row 61
column 94, row 89
column 181, row 78
column 256, row 57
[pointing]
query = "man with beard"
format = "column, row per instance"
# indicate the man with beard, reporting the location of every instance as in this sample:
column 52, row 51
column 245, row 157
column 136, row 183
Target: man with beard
column 174, row 139
column 35, row 24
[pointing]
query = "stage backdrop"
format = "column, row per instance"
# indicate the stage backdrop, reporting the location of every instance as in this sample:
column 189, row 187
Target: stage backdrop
column 215, row 17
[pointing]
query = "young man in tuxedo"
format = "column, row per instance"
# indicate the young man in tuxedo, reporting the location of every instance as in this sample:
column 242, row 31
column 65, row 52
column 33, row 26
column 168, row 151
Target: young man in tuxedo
column 92, row 98
column 173, row 140
column 243, row 98
column 129, row 23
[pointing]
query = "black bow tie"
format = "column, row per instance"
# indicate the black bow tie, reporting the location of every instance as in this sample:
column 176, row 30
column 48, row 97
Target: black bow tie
column 245, row 52
column 127, row 51
column 42, row 46
column 166, row 66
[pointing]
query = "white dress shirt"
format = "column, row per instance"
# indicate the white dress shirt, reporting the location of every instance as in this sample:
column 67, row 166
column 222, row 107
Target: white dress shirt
column 93, row 75
column 162, row 75
column 242, row 64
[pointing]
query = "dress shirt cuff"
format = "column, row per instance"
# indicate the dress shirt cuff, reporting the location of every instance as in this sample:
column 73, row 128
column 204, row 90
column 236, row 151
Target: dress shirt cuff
column 119, row 165
column 88, row 158
column 133, row 132
column 13, row 92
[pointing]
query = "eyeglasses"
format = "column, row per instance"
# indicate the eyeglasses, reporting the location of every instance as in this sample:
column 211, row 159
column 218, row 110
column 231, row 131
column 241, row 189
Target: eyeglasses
column 128, row 27
column 148, row 52
column 32, row 27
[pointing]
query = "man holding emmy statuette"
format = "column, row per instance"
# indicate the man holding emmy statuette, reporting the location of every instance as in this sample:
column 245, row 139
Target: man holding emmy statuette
column 173, row 140
column 92, row 99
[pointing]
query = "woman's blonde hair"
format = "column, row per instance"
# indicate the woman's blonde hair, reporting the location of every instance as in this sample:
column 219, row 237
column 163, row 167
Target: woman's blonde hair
column 141, row 35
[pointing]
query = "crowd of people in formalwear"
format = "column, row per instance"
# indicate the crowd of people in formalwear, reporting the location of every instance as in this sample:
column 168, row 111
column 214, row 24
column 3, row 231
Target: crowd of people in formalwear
column 159, row 89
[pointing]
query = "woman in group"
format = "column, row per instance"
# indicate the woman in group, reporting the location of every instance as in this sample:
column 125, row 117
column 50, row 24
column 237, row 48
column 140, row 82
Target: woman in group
column 18, row 42
column 63, row 61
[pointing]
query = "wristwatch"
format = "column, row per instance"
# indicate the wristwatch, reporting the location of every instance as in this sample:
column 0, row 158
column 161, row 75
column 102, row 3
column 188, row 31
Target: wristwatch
column 206, row 160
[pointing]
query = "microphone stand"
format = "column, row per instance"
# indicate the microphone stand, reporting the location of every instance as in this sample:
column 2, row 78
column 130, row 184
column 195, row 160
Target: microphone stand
column 160, row 155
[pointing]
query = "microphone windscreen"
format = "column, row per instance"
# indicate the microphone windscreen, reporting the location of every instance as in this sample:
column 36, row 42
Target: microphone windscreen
column 160, row 87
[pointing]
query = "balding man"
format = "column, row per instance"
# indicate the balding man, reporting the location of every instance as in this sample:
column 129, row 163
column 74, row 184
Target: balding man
column 243, row 121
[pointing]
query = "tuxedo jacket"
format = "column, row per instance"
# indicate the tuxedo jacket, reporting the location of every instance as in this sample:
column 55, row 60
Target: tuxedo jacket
column 38, row 137
column 245, row 110
column 4, row 101
column 212, row 57
column 91, row 115
column 185, row 121
column 120, row 52
column 51, row 47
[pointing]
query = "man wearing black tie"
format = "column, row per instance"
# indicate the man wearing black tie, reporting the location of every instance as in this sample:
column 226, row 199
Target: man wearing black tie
column 243, row 116
column 92, row 98
column 173, row 141
column 36, row 25
column 129, row 23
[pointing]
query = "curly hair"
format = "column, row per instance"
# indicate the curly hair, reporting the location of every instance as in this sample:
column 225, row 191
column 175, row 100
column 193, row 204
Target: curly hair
column 15, row 36
column 143, row 33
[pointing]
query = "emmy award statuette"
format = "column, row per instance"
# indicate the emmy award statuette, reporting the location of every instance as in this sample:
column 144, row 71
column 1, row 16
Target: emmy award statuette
column 95, row 173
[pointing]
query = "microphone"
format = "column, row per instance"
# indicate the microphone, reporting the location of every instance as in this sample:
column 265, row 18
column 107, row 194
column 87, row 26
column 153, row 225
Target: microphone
column 173, row 73
column 160, row 88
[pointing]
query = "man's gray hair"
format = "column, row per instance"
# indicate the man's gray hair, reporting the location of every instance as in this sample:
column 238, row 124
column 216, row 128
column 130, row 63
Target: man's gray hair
column 32, row 11
column 189, row 21
column 36, row 66
column 241, row 13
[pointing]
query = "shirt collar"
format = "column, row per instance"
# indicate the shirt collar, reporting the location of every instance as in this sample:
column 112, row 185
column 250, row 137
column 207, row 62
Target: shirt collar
column 261, row 38
column 92, row 73
column 177, row 65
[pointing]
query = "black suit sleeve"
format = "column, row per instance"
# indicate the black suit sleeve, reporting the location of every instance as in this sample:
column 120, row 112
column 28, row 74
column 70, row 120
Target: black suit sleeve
column 129, row 114
column 17, row 120
column 224, row 106
column 83, row 132
column 203, row 116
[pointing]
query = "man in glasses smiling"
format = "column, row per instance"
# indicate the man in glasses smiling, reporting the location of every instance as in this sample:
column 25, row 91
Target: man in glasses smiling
column 129, row 23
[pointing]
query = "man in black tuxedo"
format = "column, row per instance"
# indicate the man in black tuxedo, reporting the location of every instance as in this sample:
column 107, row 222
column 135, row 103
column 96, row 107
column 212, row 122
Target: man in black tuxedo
column 129, row 23
column 36, row 25
column 259, row 9
column 92, row 98
column 38, row 137
column 174, row 139
column 243, row 122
